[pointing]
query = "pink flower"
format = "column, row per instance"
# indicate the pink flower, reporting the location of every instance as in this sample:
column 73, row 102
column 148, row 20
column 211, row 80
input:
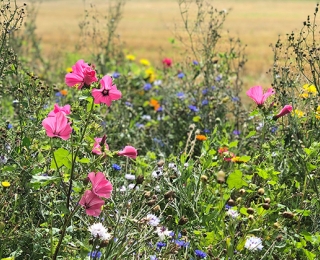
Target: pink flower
column 57, row 126
column 167, row 62
column 285, row 110
column 100, row 185
column 256, row 94
column 92, row 203
column 129, row 151
column 107, row 92
column 82, row 74
column 99, row 145
column 65, row 109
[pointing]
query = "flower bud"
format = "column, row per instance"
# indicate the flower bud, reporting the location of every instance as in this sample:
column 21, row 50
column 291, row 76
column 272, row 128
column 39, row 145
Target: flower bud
column 266, row 206
column 267, row 200
column 231, row 202
column 242, row 191
column 250, row 211
column 169, row 195
column 156, row 208
column 276, row 225
column 261, row 191
column 160, row 163
column 288, row 214
column 221, row 174
column 221, row 180
column 147, row 194
column 204, row 178
column 151, row 202
column 139, row 179
column 183, row 220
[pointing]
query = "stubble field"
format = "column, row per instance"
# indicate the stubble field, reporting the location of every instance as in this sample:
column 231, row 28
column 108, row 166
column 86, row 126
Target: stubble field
column 148, row 25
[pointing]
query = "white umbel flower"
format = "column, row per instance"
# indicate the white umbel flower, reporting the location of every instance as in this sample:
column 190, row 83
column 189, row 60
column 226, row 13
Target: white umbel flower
column 253, row 243
column 97, row 230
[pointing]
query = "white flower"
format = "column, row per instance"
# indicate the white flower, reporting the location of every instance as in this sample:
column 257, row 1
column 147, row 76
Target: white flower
column 253, row 243
column 130, row 177
column 186, row 165
column 260, row 126
column 3, row 159
column 132, row 185
column 157, row 174
column 99, row 231
column 146, row 117
column 157, row 188
column 122, row 188
column 153, row 220
column 232, row 213
column 157, row 82
column 163, row 232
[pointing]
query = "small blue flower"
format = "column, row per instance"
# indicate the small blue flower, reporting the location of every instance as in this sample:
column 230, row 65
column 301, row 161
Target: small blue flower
column 205, row 91
column 227, row 207
column 181, row 75
column 200, row 254
column 193, row 108
column 182, row 243
column 160, row 245
column 213, row 87
column 274, row 129
column 10, row 126
column 128, row 104
column 140, row 126
column 218, row 78
column 235, row 99
column 195, row 62
column 160, row 109
column 205, row 102
column 95, row 254
column 153, row 257
column 147, row 87
column 236, row 132
column 116, row 75
column 58, row 94
column 206, row 131
column 116, row 167
column 180, row 95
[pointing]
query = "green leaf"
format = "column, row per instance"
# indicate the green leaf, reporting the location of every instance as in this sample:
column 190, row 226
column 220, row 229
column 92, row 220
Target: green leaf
column 309, row 255
column 63, row 157
column 196, row 119
column 245, row 158
column 263, row 174
column 38, row 181
column 235, row 180
column 233, row 144
column 251, row 133
column 83, row 160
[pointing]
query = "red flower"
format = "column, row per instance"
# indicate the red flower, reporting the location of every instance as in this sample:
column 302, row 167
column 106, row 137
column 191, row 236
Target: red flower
column 100, row 185
column 167, row 62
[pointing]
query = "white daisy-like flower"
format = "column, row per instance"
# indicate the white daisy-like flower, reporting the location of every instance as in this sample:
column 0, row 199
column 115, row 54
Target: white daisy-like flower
column 97, row 230
column 163, row 232
column 146, row 117
column 132, row 185
column 232, row 213
column 122, row 188
column 130, row 177
column 153, row 220
column 253, row 243
column 157, row 82
column 157, row 174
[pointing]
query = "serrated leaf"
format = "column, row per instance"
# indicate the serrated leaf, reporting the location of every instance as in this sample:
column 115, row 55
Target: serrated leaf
column 263, row 174
column 235, row 180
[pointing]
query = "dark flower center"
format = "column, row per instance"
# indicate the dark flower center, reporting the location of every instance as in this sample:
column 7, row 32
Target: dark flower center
column 105, row 92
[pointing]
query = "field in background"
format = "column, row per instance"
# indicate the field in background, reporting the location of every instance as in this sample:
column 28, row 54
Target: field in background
column 147, row 26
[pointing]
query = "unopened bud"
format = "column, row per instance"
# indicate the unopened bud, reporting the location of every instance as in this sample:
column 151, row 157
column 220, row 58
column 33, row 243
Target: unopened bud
column 160, row 163
column 204, row 178
column 288, row 214
column 151, row 202
column 261, row 191
column 267, row 200
column 139, row 179
column 221, row 174
column 266, row 206
column 250, row 210
column 156, row 208
column 242, row 191
column 231, row 202
column 147, row 194
column 170, row 194
column 183, row 220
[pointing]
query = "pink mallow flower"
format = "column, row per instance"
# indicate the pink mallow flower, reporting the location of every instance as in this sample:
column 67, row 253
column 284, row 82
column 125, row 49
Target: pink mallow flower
column 57, row 126
column 100, row 145
column 167, row 62
column 100, row 185
column 257, row 95
column 92, row 203
column 65, row 109
column 284, row 111
column 82, row 74
column 129, row 151
column 107, row 92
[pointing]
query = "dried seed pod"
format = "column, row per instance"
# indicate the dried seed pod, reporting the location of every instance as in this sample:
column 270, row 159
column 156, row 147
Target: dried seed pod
column 151, row 202
column 183, row 220
column 156, row 208
column 261, row 191
column 231, row 202
column 160, row 163
column 250, row 211
column 267, row 200
column 204, row 178
column 242, row 191
column 170, row 194
column 266, row 206
column 221, row 180
column 288, row 214
column 147, row 194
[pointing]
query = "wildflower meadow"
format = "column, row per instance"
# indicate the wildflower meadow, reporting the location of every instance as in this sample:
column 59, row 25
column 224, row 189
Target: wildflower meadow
column 106, row 155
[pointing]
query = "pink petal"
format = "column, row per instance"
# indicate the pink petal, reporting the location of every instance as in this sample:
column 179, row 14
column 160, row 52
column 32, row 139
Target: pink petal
column 106, row 82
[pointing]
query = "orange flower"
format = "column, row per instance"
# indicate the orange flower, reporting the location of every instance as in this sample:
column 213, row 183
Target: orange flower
column 222, row 150
column 154, row 103
column 201, row 137
column 64, row 92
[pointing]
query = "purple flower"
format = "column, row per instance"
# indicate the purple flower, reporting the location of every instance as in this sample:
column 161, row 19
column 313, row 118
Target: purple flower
column 153, row 257
column 140, row 126
column 128, row 104
column 235, row 99
column 206, row 131
column 116, row 167
column 160, row 109
column 10, row 126
column 218, row 78
column 147, row 87
column 95, row 254
column 180, row 95
column 58, row 94
column 193, row 108
column 205, row 102
column 205, row 91
column 181, row 243
column 200, row 254
column 274, row 129
column 236, row 132
column 181, row 75
column 116, row 75
column 160, row 245
column 195, row 62
column 213, row 87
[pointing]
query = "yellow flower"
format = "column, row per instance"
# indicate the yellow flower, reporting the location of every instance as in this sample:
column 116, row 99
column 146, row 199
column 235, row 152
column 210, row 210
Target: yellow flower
column 150, row 74
column 318, row 109
column 299, row 113
column 304, row 95
column 69, row 70
column 310, row 88
column 5, row 184
column 201, row 137
column 130, row 57
column 145, row 62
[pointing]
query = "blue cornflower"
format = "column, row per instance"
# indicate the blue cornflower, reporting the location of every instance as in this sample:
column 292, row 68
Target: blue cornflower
column 206, row 131
column 236, row 132
column 160, row 109
column 218, row 78
column 205, row 102
column 58, row 94
column 205, row 91
column 10, row 126
column 95, row 254
column 116, row 167
column 181, row 75
column 227, row 207
column 153, row 257
column 274, row 129
column 193, row 108
column 116, row 75
column 139, row 125
column 180, row 95
column 200, row 254
column 147, row 87
column 181, row 243
column 235, row 99
column 160, row 245
column 213, row 87
column 195, row 62
column 128, row 104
